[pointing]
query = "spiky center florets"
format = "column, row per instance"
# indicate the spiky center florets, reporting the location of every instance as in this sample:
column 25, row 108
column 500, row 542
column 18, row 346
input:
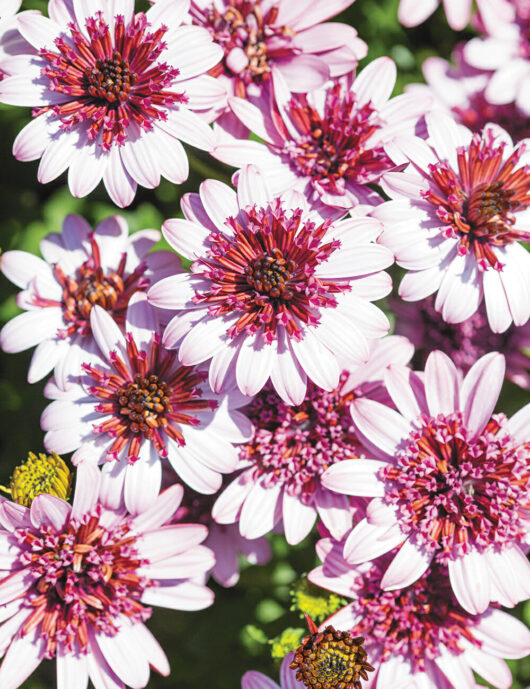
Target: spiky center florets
column 265, row 271
column 331, row 660
column 412, row 622
column 294, row 445
column 478, row 112
column 146, row 397
column 85, row 578
column 243, row 31
column 453, row 490
column 144, row 403
column 114, row 78
column 478, row 204
column 111, row 79
column 335, row 148
column 40, row 474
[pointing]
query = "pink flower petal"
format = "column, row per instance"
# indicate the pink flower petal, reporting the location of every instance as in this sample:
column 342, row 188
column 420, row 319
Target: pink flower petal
column 298, row 519
column 407, row 391
column 185, row 596
column 254, row 364
column 502, row 635
column 47, row 510
column 287, row 376
column 410, row 563
column 30, row 328
column 167, row 541
column 317, row 361
column 366, row 542
column 383, row 427
column 22, row 657
column 355, row 477
column 470, row 581
column 161, row 510
column 441, row 384
column 259, row 511
column 257, row 680
column 125, row 659
column 86, row 490
column 480, row 390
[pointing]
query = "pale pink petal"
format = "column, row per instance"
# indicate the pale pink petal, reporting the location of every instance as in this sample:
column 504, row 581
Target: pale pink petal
column 125, row 659
column 86, row 490
column 257, row 680
column 383, row 427
column 502, row 635
column 139, row 159
column 414, row 12
column 166, row 541
column 106, row 332
column 193, row 562
column 30, row 328
column 366, row 542
column 21, row 267
column 497, row 307
column 220, row 202
column 317, row 361
column 254, row 364
column 288, row 675
column 46, row 355
column 195, row 474
column 410, row 563
column 258, row 514
column 153, row 651
column 118, row 182
column 184, row 596
column 287, row 376
column 455, row 668
column 187, row 238
column 518, row 425
column 493, row 670
column 160, row 511
column 303, row 72
column 509, row 572
column 206, row 338
column 480, row 391
column 228, row 505
column 254, row 119
column 470, row 581
column 376, row 82
column 355, row 477
column 22, row 657
column 334, row 511
column 143, row 480
column 48, row 510
column 86, row 170
column 298, row 518
column 441, row 384
column 252, row 187
column 407, row 391
column 15, row 585
column 72, row 670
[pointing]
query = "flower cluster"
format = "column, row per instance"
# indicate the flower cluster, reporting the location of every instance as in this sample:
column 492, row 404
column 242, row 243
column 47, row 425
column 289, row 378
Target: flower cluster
column 244, row 381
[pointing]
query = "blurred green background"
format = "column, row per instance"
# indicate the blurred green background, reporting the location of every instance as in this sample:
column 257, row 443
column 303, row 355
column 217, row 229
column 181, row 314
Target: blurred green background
column 212, row 648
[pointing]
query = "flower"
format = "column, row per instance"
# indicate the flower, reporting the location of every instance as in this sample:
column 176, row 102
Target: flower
column 77, row 581
column 414, row 12
column 135, row 405
column 450, row 482
column 459, row 213
column 39, row 474
column 504, row 51
column 464, row 342
column 114, row 94
column 224, row 540
column 81, row 268
column 291, row 448
column 461, row 89
column 257, row 680
column 328, row 143
column 275, row 291
column 420, row 635
column 258, row 38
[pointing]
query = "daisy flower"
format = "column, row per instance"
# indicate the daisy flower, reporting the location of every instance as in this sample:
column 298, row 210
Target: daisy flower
column 258, row 37
column 450, row 482
column 275, row 291
column 505, row 51
column 458, row 215
column 293, row 445
column 414, row 12
column 329, row 143
column 464, row 342
column 114, row 94
column 78, row 580
column 419, row 636
column 81, row 268
column 224, row 540
column 136, row 405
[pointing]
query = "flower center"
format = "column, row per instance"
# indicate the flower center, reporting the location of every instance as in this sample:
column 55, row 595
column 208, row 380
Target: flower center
column 144, row 402
column 96, row 288
column 334, row 147
column 452, row 489
column 40, row 474
column 414, row 621
column 265, row 271
column 84, row 578
column 111, row 79
column 270, row 275
column 331, row 660
column 478, row 204
column 294, row 445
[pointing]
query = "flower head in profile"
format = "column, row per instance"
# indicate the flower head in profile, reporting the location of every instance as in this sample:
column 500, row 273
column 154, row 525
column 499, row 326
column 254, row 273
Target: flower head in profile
column 450, row 482
column 224, row 540
column 464, row 342
column 81, row 268
column 419, row 635
column 135, row 406
column 414, row 12
column 78, row 580
column 328, row 143
column 114, row 94
column 457, row 219
column 275, row 290
column 293, row 445
column 39, row 474
column 258, row 37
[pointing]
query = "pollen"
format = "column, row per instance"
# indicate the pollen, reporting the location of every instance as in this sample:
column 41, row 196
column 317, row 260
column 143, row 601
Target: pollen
column 40, row 474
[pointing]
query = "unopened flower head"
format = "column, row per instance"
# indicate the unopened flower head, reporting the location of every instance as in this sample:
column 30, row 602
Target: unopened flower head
column 78, row 581
column 40, row 474
column 111, row 88
column 458, row 219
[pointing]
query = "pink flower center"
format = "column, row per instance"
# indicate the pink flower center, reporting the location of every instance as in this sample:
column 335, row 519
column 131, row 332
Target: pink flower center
column 479, row 112
column 453, row 490
column 334, row 148
column 90, row 286
column 265, row 271
column 478, row 204
column 148, row 398
column 244, row 32
column 412, row 622
column 85, row 578
column 294, row 445
column 113, row 78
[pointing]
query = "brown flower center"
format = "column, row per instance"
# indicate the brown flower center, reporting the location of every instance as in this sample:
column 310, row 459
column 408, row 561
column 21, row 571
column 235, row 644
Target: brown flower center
column 96, row 288
column 145, row 401
column 270, row 275
column 111, row 79
column 331, row 660
column 489, row 208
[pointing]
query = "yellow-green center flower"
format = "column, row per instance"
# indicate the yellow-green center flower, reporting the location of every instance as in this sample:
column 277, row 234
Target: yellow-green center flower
column 40, row 474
